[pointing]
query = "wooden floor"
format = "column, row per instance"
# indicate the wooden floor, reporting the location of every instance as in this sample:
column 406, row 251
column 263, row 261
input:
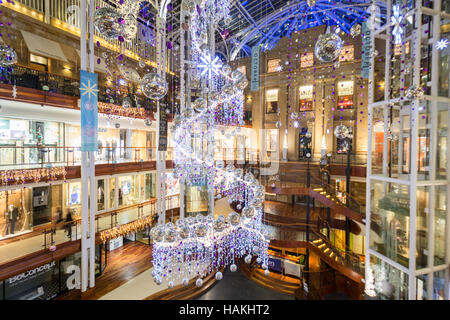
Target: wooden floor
column 124, row 264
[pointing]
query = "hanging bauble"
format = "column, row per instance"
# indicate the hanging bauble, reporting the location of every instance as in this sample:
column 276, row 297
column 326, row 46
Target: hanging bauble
column 127, row 103
column 311, row 3
column 233, row 268
column 242, row 83
column 185, row 232
column 266, row 272
column 129, row 27
column 341, row 132
column 170, row 284
column 201, row 230
column 142, row 64
column 226, row 69
column 414, row 93
column 199, row 105
column 157, row 233
column 328, row 47
column 355, row 30
column 148, row 122
column 185, row 282
column 219, row 224
column 258, row 260
column 199, row 283
column 106, row 21
column 219, row 275
column 153, row 86
column 249, row 212
column 170, row 235
column 234, row 218
column 8, row 56
column 248, row 259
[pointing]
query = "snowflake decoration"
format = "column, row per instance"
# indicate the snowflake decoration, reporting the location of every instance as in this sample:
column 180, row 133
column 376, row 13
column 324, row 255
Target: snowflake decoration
column 89, row 89
column 209, row 65
column 396, row 20
column 442, row 44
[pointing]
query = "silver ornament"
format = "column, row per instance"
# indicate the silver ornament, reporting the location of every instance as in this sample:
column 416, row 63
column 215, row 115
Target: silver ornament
column 234, row 218
column 153, row 86
column 127, row 103
column 328, row 47
column 233, row 268
column 142, row 64
column 248, row 259
column 199, row 283
column 219, row 275
column 199, row 105
column 201, row 230
column 106, row 21
column 266, row 272
column 170, row 284
column 341, row 131
column 8, row 56
column 185, row 282
column 355, row 30
column 219, row 224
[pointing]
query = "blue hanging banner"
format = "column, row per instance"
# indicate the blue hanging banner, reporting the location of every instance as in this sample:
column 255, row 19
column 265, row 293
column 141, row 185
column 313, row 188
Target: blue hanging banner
column 89, row 111
column 366, row 59
column 255, row 69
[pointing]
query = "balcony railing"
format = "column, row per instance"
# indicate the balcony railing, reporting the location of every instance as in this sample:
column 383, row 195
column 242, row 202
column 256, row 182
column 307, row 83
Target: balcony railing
column 27, row 157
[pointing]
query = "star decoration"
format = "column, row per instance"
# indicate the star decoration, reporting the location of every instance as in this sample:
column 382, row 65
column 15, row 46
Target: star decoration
column 396, row 20
column 209, row 65
column 442, row 44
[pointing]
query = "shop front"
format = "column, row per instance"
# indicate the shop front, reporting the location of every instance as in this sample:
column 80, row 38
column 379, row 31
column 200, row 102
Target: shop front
column 50, row 280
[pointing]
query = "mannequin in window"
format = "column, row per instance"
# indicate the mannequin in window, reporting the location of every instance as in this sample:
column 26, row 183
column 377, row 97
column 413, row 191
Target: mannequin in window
column 11, row 218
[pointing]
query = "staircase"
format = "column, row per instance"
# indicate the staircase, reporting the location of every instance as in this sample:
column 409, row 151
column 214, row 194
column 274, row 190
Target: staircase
column 328, row 250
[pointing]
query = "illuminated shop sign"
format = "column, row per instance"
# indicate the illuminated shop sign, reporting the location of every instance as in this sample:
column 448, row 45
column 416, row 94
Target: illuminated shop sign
column 306, row 98
column 345, row 88
column 273, row 65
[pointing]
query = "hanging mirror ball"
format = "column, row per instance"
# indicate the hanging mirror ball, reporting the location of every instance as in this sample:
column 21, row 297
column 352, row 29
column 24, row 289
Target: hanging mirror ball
column 226, row 69
column 341, row 132
column 328, row 47
column 8, row 56
column 234, row 218
column 126, row 103
column 106, row 21
column 278, row 124
column 355, row 30
column 199, row 283
column 148, row 122
column 142, row 64
column 219, row 224
column 219, row 276
column 153, row 86
column 129, row 27
column 199, row 105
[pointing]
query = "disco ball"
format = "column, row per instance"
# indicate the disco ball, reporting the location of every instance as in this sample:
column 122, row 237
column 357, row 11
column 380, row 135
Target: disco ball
column 199, row 283
column 185, row 282
column 234, row 218
column 7, row 55
column 199, row 105
column 157, row 233
column 219, row 275
column 233, row 268
column 201, row 230
column 142, row 64
column 170, row 284
column 355, row 30
column 127, row 103
column 106, row 21
column 148, row 122
column 328, row 47
column 226, row 69
column 341, row 132
column 185, row 231
column 414, row 93
column 219, row 224
column 311, row 3
column 129, row 27
column 153, row 86
column 248, row 259
column 266, row 272
column 171, row 235
column 249, row 212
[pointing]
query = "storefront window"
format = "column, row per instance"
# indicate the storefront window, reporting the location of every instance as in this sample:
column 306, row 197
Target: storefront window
column 112, row 193
column 307, row 60
column 272, row 101
column 440, row 224
column 442, row 136
column 16, row 212
column 72, row 198
column 273, row 65
column 101, row 195
column 390, row 220
column 128, row 191
column 390, row 283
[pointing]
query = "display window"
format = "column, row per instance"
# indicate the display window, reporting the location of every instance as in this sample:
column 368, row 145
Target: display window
column 16, row 215
column 273, row 65
column 306, row 98
column 307, row 60
column 128, row 190
column 101, row 195
column 72, row 199
column 112, row 193
column 272, row 101
column 345, row 94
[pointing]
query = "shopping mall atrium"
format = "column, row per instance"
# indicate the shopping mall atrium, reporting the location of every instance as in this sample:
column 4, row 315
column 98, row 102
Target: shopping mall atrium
column 224, row 150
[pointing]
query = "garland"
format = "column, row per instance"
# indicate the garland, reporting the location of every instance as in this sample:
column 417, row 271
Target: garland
column 120, row 111
column 125, row 229
column 35, row 175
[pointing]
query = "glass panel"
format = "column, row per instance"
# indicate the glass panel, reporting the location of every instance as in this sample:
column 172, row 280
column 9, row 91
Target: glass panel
column 438, row 285
column 72, row 198
column 422, row 227
column 442, row 136
column 101, row 195
column 390, row 283
column 440, row 224
column 112, row 192
column 390, row 220
column 128, row 191
column 16, row 212
column 421, row 287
